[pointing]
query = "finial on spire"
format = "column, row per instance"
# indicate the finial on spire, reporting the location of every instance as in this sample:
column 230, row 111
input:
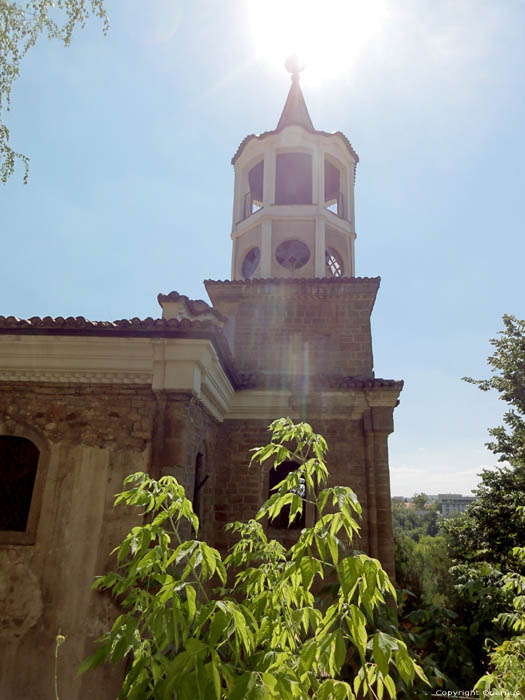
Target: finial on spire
column 295, row 110
column 294, row 65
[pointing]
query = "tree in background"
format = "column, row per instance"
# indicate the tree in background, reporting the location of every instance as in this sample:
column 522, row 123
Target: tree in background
column 492, row 526
column 508, row 369
column 420, row 500
column 263, row 632
column 21, row 25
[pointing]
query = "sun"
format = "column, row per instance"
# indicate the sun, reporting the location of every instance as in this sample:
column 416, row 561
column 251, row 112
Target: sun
column 328, row 36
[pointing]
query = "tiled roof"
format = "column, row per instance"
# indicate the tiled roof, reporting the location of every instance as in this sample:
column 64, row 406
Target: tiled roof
column 81, row 323
column 132, row 327
column 297, row 280
column 317, row 132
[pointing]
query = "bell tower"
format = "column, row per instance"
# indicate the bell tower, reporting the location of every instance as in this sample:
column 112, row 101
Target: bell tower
column 293, row 208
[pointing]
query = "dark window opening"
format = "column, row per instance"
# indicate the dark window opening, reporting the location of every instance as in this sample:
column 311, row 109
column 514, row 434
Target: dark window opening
column 281, row 521
column 18, row 466
column 333, row 197
column 250, row 262
column 200, row 480
column 292, row 254
column 253, row 200
column 293, row 178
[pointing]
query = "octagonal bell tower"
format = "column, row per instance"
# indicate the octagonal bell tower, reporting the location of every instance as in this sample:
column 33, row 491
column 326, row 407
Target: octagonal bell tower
column 293, row 209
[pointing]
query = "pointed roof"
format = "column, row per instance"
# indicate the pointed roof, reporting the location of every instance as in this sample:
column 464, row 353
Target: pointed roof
column 295, row 111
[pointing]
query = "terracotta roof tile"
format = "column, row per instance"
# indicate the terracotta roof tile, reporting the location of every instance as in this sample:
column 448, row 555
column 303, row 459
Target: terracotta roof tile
column 317, row 132
column 297, row 280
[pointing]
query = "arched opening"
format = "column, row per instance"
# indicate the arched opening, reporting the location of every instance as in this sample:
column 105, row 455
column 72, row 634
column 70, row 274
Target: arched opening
column 18, row 467
column 333, row 195
column 253, row 199
column 293, row 178
column 276, row 476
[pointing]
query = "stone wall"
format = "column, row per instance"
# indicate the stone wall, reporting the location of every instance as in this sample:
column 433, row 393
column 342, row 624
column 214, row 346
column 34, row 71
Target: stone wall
column 89, row 437
column 357, row 457
column 299, row 327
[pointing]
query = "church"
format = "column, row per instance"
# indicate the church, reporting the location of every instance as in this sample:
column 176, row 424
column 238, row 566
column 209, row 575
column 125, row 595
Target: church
column 84, row 403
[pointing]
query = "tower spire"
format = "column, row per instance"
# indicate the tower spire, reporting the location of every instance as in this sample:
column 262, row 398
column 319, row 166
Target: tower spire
column 295, row 111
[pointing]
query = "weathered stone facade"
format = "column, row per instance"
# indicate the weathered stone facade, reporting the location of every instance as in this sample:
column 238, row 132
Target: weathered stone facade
column 189, row 394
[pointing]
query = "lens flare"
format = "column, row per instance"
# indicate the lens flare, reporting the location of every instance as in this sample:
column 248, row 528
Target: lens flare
column 328, row 36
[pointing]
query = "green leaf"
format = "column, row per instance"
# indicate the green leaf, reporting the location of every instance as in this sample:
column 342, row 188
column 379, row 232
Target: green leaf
column 100, row 655
column 382, row 651
column 390, row 686
column 191, row 597
column 242, row 686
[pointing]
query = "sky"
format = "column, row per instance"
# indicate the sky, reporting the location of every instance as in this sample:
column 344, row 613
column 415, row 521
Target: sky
column 130, row 191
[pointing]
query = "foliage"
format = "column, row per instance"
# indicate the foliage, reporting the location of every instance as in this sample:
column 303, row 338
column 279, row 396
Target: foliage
column 452, row 635
column 441, row 644
column 420, row 500
column 491, row 526
column 508, row 369
column 423, row 568
column 262, row 632
column 508, row 658
column 412, row 523
column 21, row 25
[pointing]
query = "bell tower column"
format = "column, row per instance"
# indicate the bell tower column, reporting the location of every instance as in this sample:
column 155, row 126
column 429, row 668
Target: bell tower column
column 266, row 248
column 320, row 247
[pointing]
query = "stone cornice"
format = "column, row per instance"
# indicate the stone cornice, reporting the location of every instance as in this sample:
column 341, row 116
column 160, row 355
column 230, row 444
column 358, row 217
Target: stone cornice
column 259, row 380
column 162, row 363
column 348, row 403
column 128, row 328
column 318, row 287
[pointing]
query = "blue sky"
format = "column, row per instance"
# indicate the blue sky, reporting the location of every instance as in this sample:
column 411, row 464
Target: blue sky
column 130, row 189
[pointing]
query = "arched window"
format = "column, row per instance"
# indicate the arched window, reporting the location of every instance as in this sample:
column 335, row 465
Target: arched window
column 253, row 199
column 276, row 476
column 18, row 467
column 333, row 196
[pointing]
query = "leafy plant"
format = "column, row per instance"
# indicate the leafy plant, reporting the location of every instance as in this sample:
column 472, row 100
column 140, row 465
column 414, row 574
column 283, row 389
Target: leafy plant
column 261, row 632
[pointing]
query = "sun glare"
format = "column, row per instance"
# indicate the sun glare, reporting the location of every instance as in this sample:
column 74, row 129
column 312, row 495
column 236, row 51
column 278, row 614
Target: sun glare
column 328, row 36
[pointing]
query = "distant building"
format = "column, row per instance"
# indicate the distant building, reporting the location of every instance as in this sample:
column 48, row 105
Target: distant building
column 454, row 503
